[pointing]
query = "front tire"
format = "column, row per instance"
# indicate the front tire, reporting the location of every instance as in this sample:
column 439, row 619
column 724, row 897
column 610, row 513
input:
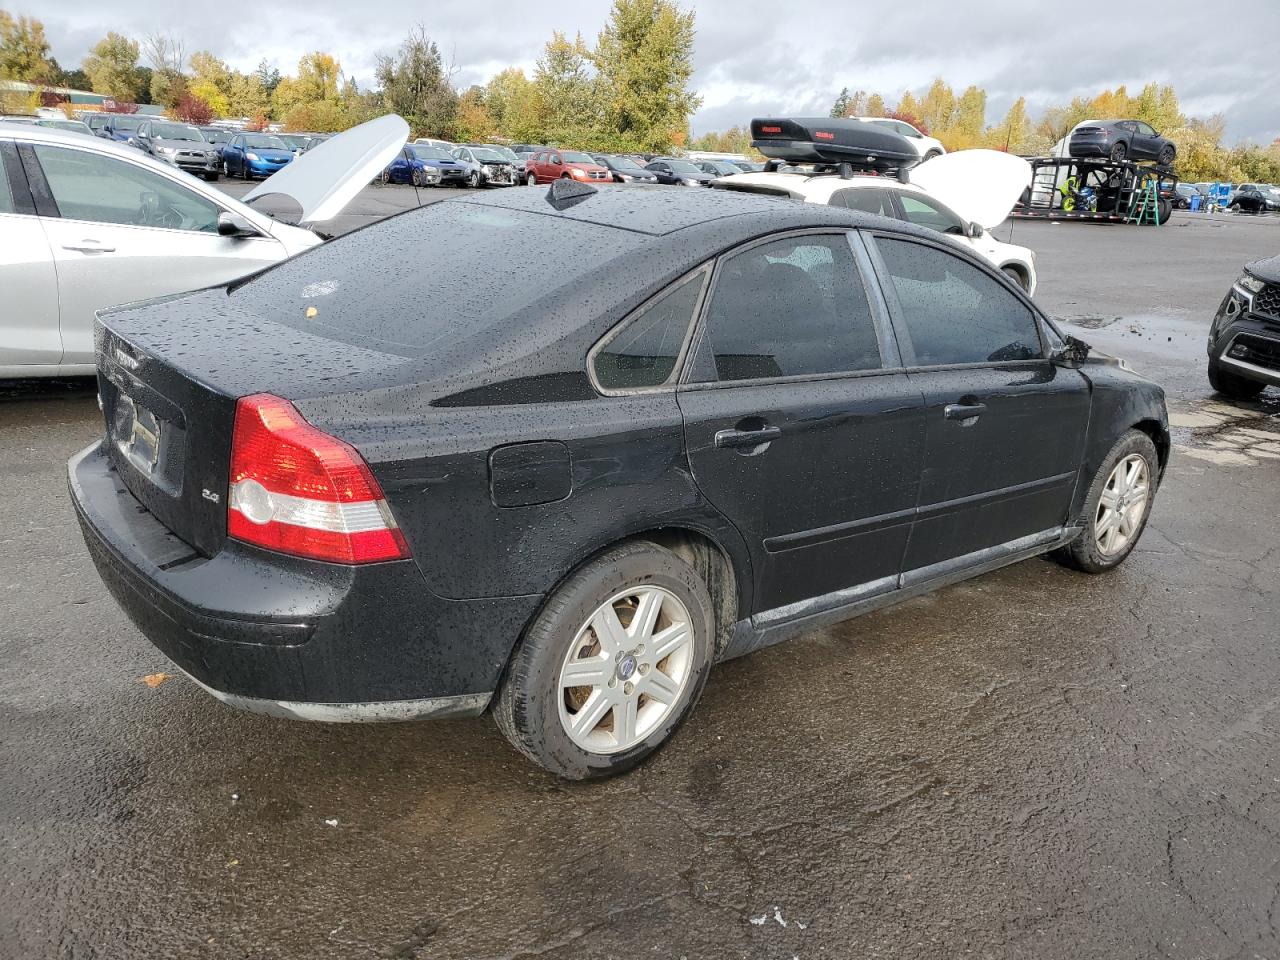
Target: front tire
column 473, row 181
column 612, row 664
column 1165, row 159
column 1117, row 506
column 1230, row 385
column 531, row 180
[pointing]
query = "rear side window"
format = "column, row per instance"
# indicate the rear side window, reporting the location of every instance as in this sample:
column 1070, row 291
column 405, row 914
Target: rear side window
column 644, row 352
column 793, row 307
column 955, row 313
column 6, row 192
column 868, row 200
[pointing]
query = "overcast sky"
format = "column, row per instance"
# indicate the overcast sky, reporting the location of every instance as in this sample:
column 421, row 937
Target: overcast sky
column 757, row 57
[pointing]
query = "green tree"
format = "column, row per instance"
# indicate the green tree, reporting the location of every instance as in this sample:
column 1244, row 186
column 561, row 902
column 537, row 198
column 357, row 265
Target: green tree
column 245, row 96
column 841, row 107
column 644, row 62
column 473, row 122
column 268, row 77
column 167, row 56
column 415, row 84
column 112, row 67
column 513, row 103
column 1013, row 133
column 75, row 79
column 875, row 106
column 24, row 51
column 567, row 92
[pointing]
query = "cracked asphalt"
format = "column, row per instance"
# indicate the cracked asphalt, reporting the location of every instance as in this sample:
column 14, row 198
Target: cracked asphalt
column 1036, row 763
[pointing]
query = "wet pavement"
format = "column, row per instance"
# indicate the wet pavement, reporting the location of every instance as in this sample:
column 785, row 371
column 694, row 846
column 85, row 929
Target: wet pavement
column 1036, row 763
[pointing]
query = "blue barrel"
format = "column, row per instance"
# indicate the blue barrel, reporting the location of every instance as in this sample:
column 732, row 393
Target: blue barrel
column 1195, row 203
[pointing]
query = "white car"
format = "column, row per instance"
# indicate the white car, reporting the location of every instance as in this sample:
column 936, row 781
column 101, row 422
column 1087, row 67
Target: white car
column 86, row 224
column 927, row 147
column 964, row 195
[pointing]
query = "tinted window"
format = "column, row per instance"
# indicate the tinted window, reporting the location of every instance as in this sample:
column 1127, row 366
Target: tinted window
column 790, row 308
column 644, row 352
column 1146, row 128
column 363, row 294
column 89, row 186
column 955, row 313
column 926, row 212
column 6, row 192
column 864, row 199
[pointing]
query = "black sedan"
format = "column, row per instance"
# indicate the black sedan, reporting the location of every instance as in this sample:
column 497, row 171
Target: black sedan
column 562, row 487
column 672, row 171
column 1254, row 198
column 1244, row 339
column 1121, row 140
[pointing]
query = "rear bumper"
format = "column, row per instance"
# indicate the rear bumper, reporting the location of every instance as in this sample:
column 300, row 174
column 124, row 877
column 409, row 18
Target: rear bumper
column 288, row 637
column 1089, row 148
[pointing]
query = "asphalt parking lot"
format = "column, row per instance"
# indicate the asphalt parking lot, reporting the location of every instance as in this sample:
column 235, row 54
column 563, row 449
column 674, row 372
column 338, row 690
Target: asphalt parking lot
column 1036, row 763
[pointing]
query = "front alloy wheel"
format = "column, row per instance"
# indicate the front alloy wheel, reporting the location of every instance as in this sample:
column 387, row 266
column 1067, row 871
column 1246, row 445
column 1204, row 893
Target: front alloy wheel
column 625, row 670
column 1123, row 505
column 1116, row 506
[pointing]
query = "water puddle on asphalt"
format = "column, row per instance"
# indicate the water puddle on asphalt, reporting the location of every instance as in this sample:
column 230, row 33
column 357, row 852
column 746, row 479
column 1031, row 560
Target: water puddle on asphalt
column 1223, row 433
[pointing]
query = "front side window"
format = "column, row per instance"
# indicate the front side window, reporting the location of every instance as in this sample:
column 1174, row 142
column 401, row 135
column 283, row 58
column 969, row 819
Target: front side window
column 927, row 212
column 953, row 312
column 792, row 307
column 89, row 186
column 644, row 352
column 1147, row 129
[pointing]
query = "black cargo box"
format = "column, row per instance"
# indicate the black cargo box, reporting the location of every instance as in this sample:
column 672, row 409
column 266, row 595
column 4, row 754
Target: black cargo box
column 829, row 140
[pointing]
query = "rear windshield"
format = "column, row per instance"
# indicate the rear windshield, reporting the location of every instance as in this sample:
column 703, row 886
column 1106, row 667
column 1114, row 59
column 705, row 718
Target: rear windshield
column 369, row 289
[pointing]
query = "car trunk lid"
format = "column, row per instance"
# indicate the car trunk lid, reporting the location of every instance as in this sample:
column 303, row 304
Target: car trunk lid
column 168, row 388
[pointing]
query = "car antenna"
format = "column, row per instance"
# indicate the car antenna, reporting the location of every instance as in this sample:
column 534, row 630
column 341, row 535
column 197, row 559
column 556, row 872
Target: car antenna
column 564, row 193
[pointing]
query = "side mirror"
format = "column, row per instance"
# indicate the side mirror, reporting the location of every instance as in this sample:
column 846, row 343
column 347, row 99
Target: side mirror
column 234, row 225
column 975, row 230
column 1073, row 352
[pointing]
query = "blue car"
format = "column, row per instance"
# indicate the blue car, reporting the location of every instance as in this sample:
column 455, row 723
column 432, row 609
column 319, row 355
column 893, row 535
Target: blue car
column 425, row 166
column 250, row 155
column 120, row 127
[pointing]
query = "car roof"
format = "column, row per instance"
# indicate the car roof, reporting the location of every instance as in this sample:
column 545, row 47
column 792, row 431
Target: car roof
column 31, row 132
column 660, row 213
column 811, row 185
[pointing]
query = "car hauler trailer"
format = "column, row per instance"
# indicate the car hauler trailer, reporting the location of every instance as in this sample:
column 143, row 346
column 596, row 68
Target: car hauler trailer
column 1096, row 190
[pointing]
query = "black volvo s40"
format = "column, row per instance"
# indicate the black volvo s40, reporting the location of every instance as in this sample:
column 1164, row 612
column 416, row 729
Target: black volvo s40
column 559, row 488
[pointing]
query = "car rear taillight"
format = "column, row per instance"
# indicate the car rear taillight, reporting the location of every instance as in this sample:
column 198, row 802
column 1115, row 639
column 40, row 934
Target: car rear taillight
column 300, row 491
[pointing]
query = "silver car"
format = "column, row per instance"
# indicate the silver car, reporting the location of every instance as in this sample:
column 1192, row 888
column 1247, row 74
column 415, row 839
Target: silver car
column 87, row 224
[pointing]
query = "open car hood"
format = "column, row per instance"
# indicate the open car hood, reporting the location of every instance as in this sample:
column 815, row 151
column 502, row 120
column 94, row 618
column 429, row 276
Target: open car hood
column 328, row 176
column 982, row 186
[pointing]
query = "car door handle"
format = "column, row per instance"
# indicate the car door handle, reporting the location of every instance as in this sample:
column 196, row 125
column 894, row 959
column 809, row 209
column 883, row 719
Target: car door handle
column 747, row 438
column 963, row 411
column 89, row 246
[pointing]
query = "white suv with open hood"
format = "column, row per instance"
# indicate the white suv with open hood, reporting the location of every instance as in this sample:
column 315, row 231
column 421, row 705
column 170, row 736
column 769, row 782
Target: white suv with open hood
column 86, row 224
column 964, row 195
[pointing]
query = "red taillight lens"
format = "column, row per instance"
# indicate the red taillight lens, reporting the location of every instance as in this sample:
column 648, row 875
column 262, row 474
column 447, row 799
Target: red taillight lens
column 300, row 491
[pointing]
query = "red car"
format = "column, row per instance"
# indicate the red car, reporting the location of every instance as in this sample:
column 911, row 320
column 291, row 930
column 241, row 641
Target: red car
column 546, row 166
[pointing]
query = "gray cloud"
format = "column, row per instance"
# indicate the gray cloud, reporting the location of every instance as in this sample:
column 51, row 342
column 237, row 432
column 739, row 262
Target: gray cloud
column 758, row 57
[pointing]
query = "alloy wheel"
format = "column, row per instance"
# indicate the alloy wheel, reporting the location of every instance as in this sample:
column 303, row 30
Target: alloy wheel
column 626, row 669
column 1123, row 505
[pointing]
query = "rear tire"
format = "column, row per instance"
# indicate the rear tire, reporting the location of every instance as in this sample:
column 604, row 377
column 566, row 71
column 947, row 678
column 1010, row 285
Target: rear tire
column 1230, row 385
column 610, row 722
column 1111, row 530
column 1164, row 210
column 1119, row 152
